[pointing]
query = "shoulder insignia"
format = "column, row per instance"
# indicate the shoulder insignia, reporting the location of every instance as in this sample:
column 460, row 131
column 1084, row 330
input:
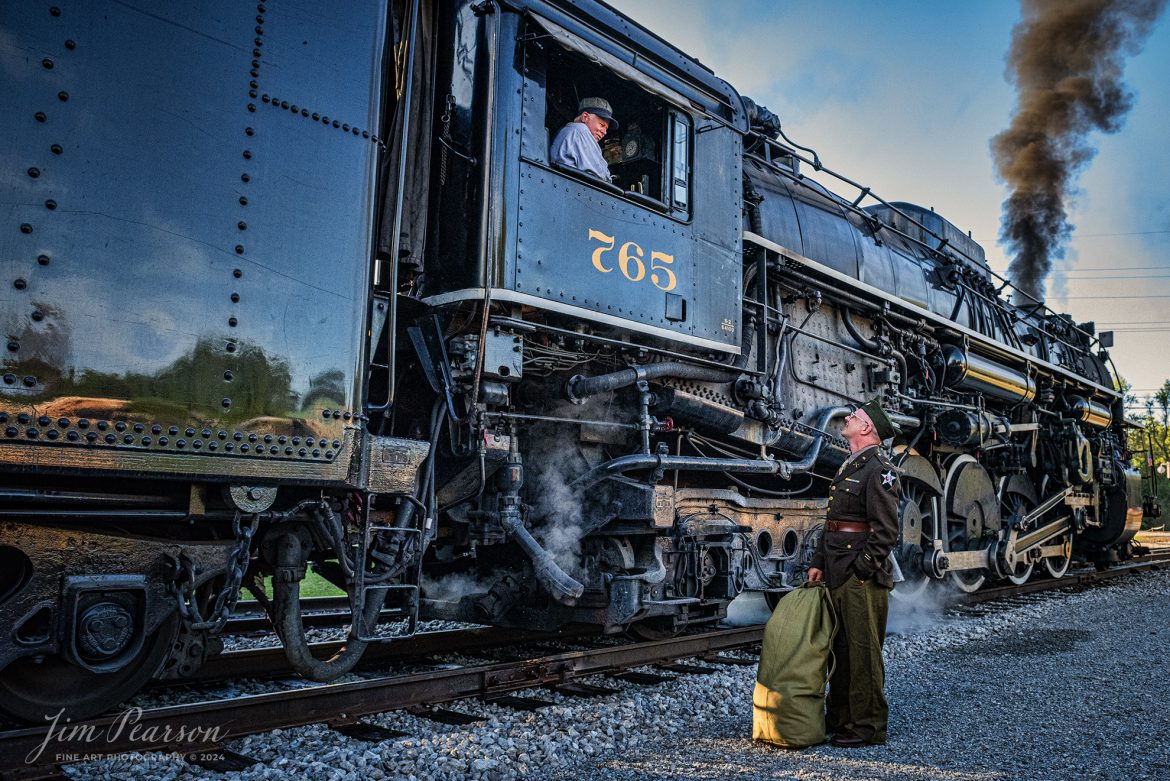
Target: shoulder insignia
column 888, row 478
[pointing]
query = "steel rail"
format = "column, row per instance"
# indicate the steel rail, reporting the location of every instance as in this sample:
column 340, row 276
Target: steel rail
column 203, row 726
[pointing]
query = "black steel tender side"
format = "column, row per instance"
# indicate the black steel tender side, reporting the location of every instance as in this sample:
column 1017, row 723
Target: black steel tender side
column 296, row 292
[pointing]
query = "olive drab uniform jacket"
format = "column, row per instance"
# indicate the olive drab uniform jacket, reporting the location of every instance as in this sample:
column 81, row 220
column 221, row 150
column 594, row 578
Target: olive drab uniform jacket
column 865, row 490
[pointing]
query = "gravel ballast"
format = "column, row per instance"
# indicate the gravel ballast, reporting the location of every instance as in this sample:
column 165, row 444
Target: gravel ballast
column 1057, row 686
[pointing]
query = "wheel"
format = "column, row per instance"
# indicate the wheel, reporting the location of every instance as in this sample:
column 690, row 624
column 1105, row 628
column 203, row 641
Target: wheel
column 918, row 513
column 1013, row 503
column 972, row 509
column 1057, row 566
column 657, row 628
column 33, row 691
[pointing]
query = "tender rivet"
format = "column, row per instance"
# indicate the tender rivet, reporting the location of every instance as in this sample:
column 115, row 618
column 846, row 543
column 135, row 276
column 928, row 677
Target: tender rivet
column 237, row 273
column 9, row 379
column 146, row 440
column 43, row 260
column 190, row 432
column 128, row 439
column 245, row 178
column 156, row 429
column 242, row 225
column 13, row 347
column 345, row 127
column 103, row 425
column 91, row 436
column 239, row 249
column 111, row 438
column 230, row 347
column 50, row 204
column 120, row 425
column 243, row 201
column 232, row 322
column 254, row 72
column 20, row 284
column 316, row 116
column 56, row 149
column 212, row 446
column 11, row 431
column 226, row 403
column 23, row 418
column 40, row 116
column 302, row 452
column 52, row 433
column 251, row 437
column 73, row 436
column 252, row 93
column 251, row 107
column 70, row 44
column 139, row 427
column 221, row 434
column 249, row 131
column 235, row 298
column 253, row 84
column 25, row 228
column 47, row 64
column 227, row 376
column 63, row 422
column 54, row 11
column 62, row 96
column 247, row 154
column 38, row 316
column 31, row 433
column 29, row 382
column 336, row 123
column 34, row 172
column 180, row 443
column 44, row 420
column 229, row 447
column 163, row 441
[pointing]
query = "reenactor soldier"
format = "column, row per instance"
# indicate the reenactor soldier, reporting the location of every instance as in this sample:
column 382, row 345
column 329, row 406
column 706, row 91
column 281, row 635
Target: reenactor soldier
column 853, row 559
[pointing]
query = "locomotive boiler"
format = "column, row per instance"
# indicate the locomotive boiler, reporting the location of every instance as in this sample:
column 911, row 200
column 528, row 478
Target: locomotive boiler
column 289, row 291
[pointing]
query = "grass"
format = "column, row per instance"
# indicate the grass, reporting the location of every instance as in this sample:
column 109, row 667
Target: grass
column 312, row 586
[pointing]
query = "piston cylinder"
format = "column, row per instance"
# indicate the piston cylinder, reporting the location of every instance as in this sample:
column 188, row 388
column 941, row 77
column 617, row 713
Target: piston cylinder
column 967, row 371
column 1091, row 412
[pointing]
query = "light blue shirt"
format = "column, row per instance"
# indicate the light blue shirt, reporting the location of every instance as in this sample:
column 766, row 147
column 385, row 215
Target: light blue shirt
column 574, row 147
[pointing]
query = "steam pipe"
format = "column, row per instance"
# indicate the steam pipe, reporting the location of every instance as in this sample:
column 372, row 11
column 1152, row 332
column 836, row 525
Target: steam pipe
column 564, row 588
column 658, row 462
column 579, row 387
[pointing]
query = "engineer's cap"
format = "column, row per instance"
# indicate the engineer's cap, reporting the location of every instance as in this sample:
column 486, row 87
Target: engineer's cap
column 598, row 107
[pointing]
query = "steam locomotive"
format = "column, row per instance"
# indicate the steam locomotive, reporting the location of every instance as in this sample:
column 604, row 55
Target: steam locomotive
column 291, row 291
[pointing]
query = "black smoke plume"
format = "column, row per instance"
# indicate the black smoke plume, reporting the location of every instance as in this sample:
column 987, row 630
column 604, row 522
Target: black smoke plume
column 1066, row 60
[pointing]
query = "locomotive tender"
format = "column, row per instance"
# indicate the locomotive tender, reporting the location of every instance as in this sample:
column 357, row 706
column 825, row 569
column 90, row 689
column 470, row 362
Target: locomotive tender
column 290, row 290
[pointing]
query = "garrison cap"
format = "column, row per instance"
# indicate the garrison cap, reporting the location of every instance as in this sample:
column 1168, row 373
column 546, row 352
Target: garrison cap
column 598, row 107
column 882, row 424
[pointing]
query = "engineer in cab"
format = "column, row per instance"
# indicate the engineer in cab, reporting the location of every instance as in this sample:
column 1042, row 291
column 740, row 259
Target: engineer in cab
column 578, row 144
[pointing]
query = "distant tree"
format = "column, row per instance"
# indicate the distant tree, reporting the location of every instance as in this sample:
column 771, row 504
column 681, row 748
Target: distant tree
column 1150, row 444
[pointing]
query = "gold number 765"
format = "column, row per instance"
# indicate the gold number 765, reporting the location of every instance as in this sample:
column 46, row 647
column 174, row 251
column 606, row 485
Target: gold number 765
column 630, row 261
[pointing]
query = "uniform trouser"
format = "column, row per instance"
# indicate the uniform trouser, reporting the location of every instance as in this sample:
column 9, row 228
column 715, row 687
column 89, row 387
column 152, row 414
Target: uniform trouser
column 857, row 698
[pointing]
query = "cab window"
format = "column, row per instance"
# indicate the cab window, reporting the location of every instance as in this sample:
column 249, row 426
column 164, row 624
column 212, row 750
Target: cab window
column 649, row 154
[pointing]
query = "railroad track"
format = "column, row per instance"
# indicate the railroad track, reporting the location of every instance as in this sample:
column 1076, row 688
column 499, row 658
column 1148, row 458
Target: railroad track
column 198, row 729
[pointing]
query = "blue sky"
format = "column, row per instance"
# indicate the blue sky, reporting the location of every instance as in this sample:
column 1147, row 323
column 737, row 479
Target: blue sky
column 905, row 98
